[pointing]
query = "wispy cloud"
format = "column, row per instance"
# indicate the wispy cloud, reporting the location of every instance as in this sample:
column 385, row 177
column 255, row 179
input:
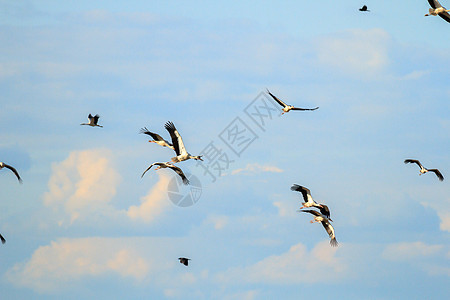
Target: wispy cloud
column 59, row 264
column 292, row 267
column 256, row 169
column 153, row 204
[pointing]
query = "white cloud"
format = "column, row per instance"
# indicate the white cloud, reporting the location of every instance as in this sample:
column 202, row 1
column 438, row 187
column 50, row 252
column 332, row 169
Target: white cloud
column 298, row 265
column 219, row 222
column 60, row 263
column 256, row 168
column 83, row 183
column 153, row 204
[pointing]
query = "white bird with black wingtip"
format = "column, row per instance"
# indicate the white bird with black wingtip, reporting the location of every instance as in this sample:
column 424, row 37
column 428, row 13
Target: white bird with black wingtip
column 93, row 121
column 318, row 217
column 162, row 165
column 288, row 108
column 309, row 201
column 178, row 144
column 438, row 10
column 424, row 170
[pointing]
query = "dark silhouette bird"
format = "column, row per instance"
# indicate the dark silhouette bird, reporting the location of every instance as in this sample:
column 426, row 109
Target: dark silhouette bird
column 184, row 260
column 2, row 239
column 178, row 144
column 3, row 165
column 287, row 108
column 157, row 139
column 438, row 10
column 93, row 120
column 424, row 170
column 170, row 166
column 309, row 201
column 326, row 224
column 364, row 8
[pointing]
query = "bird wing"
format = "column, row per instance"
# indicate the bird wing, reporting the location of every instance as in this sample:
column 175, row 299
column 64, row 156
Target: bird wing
column 298, row 108
column 434, row 4
column 96, row 119
column 306, row 193
column 155, row 136
column 180, row 172
column 330, row 231
column 445, row 16
column 313, row 212
column 149, row 168
column 14, row 171
column 276, row 99
column 438, row 173
column 3, row 239
column 324, row 210
column 177, row 141
column 90, row 117
column 413, row 161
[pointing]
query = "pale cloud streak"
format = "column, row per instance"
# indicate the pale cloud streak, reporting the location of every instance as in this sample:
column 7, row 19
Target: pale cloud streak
column 256, row 169
column 59, row 264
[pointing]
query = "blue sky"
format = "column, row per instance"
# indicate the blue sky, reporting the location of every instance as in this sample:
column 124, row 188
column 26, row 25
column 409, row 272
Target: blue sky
column 85, row 225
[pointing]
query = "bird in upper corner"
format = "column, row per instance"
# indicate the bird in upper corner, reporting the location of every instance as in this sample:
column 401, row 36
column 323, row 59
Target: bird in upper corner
column 287, row 108
column 423, row 170
column 170, row 166
column 438, row 10
column 184, row 260
column 326, row 224
column 364, row 8
column 157, row 139
column 93, row 120
column 309, row 201
column 178, row 144
column 3, row 165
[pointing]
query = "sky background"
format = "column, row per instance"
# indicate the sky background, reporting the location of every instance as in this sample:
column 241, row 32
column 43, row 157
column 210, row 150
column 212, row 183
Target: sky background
column 85, row 225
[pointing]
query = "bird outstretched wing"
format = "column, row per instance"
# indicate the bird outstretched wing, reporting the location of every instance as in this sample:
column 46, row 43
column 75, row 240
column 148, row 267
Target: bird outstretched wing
column 298, row 108
column 14, row 171
column 177, row 141
column 438, row 174
column 276, row 99
column 413, row 161
column 330, row 231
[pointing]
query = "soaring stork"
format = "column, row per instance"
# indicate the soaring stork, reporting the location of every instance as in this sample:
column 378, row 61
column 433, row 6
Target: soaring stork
column 184, row 260
column 438, row 10
column 364, row 8
column 309, row 201
column 93, row 120
column 3, row 239
column 326, row 224
column 287, row 108
column 157, row 139
column 3, row 165
column 424, row 170
column 170, row 166
column 177, row 142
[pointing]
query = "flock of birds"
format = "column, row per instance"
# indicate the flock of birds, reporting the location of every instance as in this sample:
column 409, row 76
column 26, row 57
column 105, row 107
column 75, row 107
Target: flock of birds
column 321, row 215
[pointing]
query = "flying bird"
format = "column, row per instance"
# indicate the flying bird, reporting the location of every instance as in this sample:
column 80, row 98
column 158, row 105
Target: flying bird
column 3, row 165
column 326, row 224
column 309, row 201
column 364, row 8
column 2, row 239
column 424, row 170
column 170, row 166
column 184, row 260
column 177, row 142
column 438, row 10
column 157, row 139
column 287, row 108
column 93, row 120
